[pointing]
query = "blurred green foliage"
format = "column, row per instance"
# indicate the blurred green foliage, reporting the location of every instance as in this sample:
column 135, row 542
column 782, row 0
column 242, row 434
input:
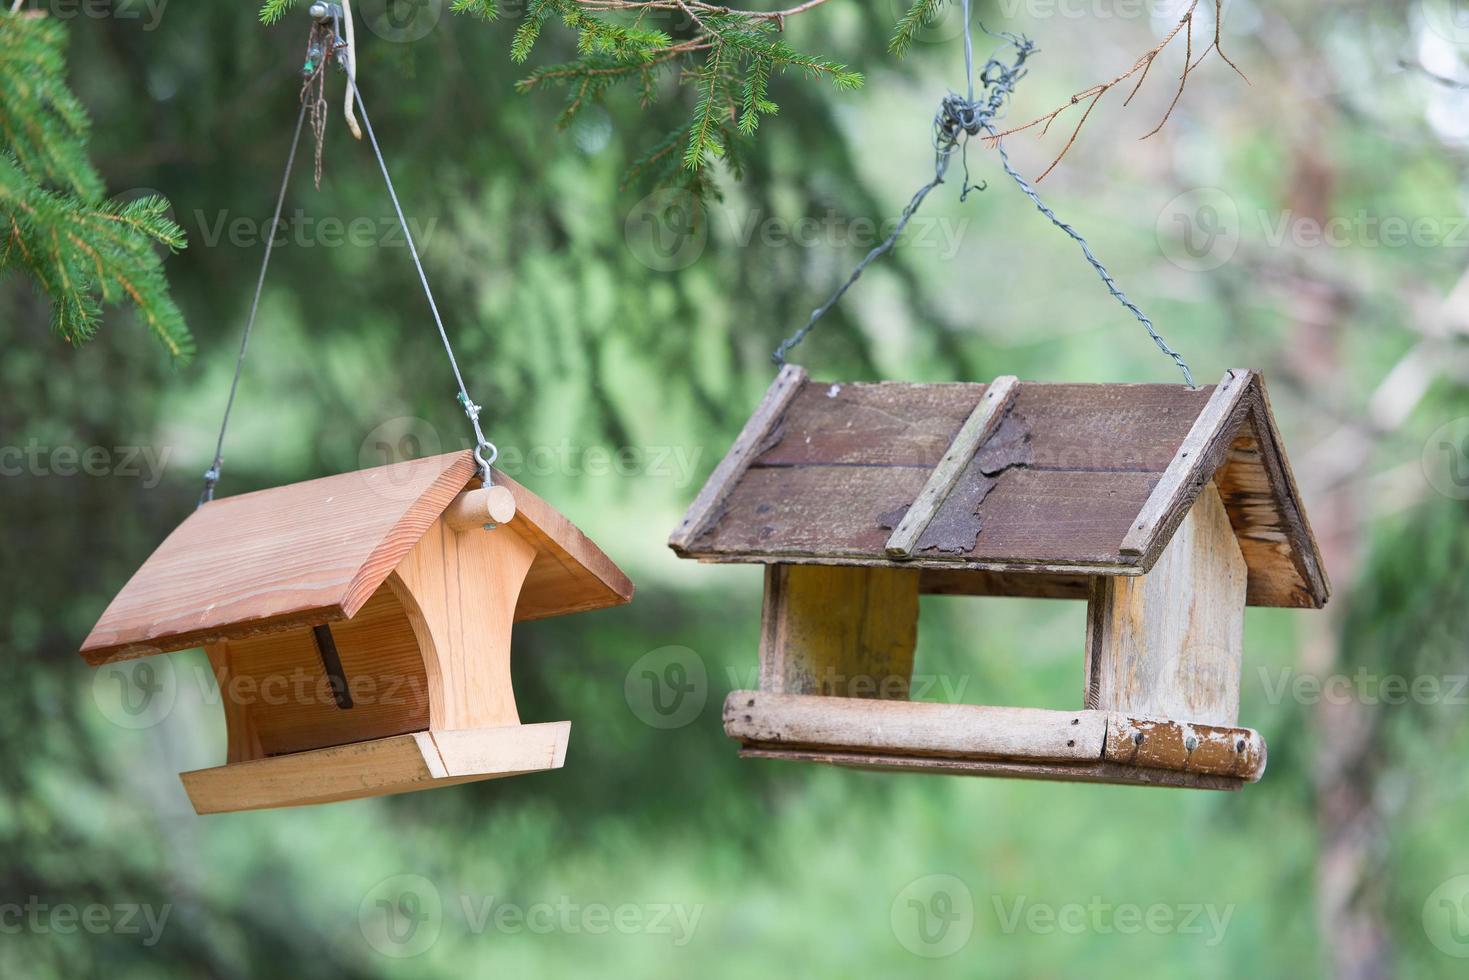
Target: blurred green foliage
column 592, row 319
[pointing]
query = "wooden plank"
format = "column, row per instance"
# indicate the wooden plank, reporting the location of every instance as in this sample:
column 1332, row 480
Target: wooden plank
column 400, row 764
column 913, row 727
column 570, row 573
column 1026, row 585
column 1169, row 644
column 1203, row 451
column 980, row 425
column 277, row 698
column 1107, row 427
column 1030, row 517
column 516, row 748
column 825, row 493
column 870, row 424
column 839, row 631
column 459, row 591
column 315, row 552
column 746, row 447
column 1098, row 772
column 1184, row 747
column 298, row 555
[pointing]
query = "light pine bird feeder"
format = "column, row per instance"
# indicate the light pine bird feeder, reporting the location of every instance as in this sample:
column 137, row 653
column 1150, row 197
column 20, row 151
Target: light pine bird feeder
column 1167, row 509
column 359, row 629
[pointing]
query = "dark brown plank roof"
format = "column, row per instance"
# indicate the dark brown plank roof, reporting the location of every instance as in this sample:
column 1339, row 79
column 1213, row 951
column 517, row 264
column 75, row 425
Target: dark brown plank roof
column 1062, row 487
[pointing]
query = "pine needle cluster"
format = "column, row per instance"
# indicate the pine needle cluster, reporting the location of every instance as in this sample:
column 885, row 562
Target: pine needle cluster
column 82, row 250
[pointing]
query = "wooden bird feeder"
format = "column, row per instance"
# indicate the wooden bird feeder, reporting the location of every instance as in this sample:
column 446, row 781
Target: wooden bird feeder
column 359, row 628
column 1167, row 509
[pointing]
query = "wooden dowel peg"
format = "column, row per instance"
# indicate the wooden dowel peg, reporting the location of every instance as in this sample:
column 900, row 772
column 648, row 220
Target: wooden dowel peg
column 482, row 507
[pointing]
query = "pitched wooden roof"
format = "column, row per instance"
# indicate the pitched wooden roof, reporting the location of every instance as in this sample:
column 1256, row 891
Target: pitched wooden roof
column 1068, row 481
column 315, row 552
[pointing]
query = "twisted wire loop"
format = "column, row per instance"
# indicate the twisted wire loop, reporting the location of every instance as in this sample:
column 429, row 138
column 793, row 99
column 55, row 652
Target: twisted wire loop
column 959, row 118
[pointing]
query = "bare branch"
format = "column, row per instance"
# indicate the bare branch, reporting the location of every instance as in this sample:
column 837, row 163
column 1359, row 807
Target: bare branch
column 1093, row 94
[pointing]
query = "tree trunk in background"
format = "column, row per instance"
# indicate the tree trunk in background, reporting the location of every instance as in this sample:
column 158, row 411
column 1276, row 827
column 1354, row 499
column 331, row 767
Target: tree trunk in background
column 1349, row 900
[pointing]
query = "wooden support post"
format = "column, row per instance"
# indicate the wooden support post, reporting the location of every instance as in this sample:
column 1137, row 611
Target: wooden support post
column 842, row 631
column 1168, row 644
column 459, row 589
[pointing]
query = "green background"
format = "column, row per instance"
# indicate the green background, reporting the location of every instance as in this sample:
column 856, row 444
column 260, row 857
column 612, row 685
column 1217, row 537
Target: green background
column 1333, row 865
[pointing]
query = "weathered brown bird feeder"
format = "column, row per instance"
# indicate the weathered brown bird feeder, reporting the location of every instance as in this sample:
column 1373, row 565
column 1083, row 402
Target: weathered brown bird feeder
column 1167, row 509
column 359, row 629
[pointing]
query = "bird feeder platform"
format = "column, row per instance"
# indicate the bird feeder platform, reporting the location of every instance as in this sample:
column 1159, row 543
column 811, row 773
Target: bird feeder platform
column 1166, row 509
column 359, row 629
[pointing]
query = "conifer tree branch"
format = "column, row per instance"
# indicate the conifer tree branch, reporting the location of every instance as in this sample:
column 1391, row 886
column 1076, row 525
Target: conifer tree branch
column 82, row 250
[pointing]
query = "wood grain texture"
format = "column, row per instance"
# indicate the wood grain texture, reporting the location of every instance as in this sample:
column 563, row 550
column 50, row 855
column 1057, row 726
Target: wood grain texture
column 1032, row 743
column 1169, row 644
column 747, row 444
column 570, row 574
column 460, row 590
column 1098, row 772
column 762, row 718
column 298, row 555
column 1269, row 517
column 846, row 461
column 277, row 697
column 315, row 552
column 481, row 508
column 1202, row 452
column 967, row 581
column 839, row 631
column 980, row 425
column 400, row 764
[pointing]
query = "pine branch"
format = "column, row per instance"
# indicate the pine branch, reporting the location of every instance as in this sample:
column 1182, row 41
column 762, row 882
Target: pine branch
column 921, row 14
column 83, row 252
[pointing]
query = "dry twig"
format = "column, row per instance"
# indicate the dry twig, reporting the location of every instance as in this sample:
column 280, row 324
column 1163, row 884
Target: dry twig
column 1140, row 69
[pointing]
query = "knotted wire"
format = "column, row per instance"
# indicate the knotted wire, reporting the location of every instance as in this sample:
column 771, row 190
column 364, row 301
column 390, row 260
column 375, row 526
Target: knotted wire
column 958, row 118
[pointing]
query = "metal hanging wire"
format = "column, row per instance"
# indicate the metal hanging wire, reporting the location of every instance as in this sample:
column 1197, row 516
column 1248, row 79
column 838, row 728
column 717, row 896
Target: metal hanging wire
column 327, row 43
column 960, row 117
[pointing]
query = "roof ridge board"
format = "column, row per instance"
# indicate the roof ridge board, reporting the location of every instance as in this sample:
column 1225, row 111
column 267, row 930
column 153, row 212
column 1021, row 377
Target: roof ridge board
column 1203, row 450
column 766, row 417
column 426, row 509
column 997, row 400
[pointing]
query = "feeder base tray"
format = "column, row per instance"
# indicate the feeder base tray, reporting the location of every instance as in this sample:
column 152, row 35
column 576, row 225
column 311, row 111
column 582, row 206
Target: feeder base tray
column 399, row 764
column 983, row 740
